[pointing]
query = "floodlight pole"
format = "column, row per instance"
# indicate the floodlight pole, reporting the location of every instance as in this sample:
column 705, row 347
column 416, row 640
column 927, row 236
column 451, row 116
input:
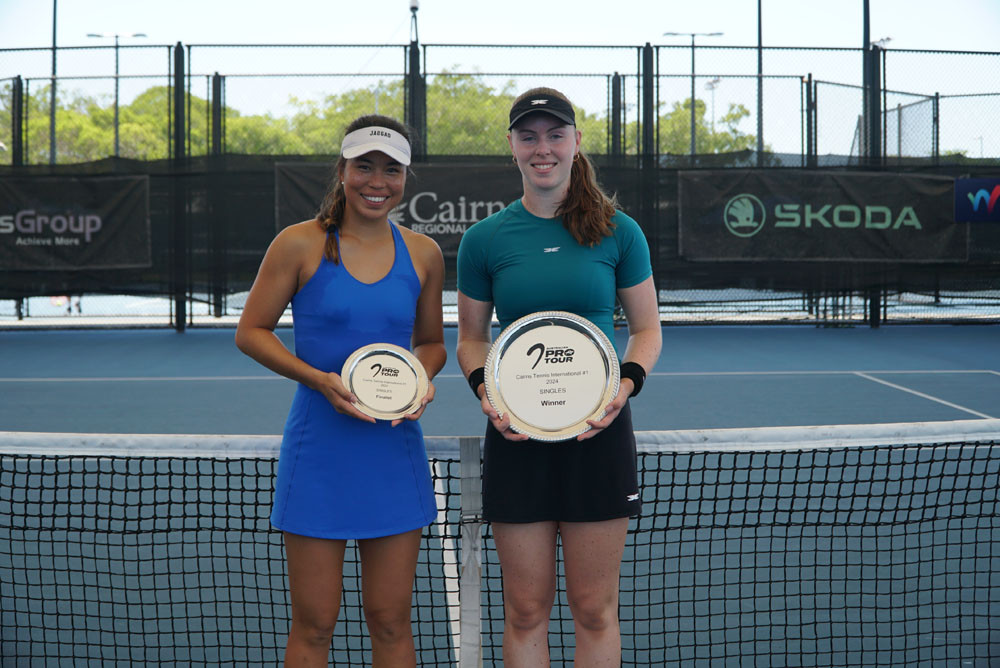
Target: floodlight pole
column 116, row 36
column 414, row 6
column 866, row 76
column 760, row 87
column 692, row 99
column 712, row 85
column 692, row 35
column 52, row 101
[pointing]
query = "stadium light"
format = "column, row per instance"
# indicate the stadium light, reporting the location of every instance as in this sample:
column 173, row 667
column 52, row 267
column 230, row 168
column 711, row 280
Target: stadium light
column 102, row 35
column 692, row 35
column 52, row 91
column 712, row 85
column 414, row 6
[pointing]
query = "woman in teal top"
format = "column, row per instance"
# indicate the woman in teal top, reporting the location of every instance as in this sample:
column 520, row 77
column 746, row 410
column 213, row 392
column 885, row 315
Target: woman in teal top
column 562, row 246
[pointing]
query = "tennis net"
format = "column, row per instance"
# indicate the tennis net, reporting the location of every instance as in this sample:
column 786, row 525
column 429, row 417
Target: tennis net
column 873, row 545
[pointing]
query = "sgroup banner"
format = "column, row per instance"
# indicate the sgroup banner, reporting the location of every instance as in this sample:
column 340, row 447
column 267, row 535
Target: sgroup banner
column 800, row 215
column 71, row 223
column 441, row 201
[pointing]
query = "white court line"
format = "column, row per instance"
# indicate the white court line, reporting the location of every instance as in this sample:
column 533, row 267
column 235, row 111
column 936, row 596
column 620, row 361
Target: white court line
column 144, row 379
column 780, row 373
column 924, row 396
column 818, row 373
column 123, row 379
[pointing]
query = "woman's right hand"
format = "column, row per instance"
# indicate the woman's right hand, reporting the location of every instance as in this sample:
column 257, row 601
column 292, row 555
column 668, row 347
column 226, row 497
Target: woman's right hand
column 500, row 422
column 332, row 387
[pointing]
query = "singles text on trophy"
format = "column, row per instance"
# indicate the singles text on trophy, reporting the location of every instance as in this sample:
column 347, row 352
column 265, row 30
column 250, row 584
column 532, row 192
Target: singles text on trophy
column 551, row 372
column 389, row 381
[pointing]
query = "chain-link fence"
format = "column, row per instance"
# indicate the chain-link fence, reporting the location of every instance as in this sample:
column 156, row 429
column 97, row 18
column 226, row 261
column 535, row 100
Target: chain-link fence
column 115, row 100
column 173, row 111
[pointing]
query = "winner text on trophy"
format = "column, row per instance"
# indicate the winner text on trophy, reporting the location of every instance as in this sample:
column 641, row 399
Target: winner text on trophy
column 550, row 372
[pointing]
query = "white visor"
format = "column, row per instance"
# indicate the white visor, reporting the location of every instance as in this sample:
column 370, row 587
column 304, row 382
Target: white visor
column 376, row 138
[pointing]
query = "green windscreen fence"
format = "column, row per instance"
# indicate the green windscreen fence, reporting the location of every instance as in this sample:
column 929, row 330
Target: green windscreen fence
column 727, row 244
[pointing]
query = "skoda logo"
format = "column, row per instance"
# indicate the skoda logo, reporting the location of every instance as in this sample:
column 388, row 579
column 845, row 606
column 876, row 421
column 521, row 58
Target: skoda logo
column 744, row 215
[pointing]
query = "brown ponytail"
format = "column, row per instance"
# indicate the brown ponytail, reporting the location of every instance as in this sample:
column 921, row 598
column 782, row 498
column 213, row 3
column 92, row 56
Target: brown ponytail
column 586, row 211
column 331, row 211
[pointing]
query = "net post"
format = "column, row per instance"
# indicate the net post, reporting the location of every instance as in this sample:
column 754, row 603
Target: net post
column 470, row 653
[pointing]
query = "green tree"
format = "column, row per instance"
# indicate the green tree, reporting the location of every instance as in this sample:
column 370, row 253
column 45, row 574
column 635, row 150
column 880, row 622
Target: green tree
column 466, row 116
column 675, row 130
column 6, row 132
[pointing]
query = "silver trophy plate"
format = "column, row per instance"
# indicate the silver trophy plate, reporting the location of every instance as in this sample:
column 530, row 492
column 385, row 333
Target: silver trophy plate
column 389, row 381
column 551, row 372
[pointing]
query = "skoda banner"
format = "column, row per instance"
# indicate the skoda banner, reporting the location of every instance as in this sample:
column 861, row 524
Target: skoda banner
column 441, row 201
column 804, row 215
column 70, row 223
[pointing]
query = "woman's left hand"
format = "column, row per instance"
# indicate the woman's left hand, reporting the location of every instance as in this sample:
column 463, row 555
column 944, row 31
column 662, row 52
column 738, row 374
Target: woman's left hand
column 415, row 415
column 611, row 411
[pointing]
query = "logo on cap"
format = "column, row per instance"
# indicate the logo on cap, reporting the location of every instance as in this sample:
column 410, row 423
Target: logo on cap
column 539, row 102
column 380, row 133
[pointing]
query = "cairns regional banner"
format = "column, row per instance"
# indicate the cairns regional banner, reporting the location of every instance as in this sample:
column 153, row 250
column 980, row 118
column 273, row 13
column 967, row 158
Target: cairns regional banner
column 70, row 223
column 441, row 201
column 805, row 215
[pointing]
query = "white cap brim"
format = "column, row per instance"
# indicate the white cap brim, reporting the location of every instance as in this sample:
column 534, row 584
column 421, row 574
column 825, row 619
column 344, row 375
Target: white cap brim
column 375, row 138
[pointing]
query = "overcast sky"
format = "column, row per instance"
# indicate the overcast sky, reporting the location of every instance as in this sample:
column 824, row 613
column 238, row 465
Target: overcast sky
column 911, row 24
column 972, row 25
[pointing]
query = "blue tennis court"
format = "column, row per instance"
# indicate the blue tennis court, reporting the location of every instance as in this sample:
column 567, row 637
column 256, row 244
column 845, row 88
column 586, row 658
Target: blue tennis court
column 805, row 546
column 158, row 381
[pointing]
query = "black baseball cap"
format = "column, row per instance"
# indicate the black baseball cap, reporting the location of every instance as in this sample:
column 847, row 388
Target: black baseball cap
column 549, row 104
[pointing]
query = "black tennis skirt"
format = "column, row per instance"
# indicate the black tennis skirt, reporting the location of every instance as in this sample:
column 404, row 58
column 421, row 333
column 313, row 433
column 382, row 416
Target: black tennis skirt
column 564, row 481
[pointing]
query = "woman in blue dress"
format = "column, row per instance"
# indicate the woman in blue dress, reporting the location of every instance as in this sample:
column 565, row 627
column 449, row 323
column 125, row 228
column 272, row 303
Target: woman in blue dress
column 353, row 277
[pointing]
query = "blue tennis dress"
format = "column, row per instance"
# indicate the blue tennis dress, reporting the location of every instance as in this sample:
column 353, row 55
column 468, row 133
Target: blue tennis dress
column 339, row 477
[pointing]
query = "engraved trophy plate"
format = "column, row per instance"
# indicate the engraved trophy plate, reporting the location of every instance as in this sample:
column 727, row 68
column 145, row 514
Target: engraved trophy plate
column 388, row 381
column 551, row 372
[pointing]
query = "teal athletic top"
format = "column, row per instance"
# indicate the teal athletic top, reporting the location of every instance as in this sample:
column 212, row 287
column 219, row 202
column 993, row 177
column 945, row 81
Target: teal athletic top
column 523, row 264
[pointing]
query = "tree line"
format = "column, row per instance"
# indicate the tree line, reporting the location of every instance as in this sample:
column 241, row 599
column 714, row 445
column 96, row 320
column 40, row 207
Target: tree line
column 465, row 116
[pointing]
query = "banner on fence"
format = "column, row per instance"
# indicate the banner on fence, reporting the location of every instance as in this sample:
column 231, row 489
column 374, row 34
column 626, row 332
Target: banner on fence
column 977, row 200
column 441, row 201
column 801, row 215
column 73, row 223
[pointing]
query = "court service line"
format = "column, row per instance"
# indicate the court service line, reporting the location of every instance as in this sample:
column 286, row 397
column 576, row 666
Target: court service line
column 832, row 372
column 186, row 379
column 143, row 379
column 791, row 373
column 924, row 396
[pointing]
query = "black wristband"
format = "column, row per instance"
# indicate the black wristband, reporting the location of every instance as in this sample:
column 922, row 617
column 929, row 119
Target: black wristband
column 634, row 372
column 477, row 378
